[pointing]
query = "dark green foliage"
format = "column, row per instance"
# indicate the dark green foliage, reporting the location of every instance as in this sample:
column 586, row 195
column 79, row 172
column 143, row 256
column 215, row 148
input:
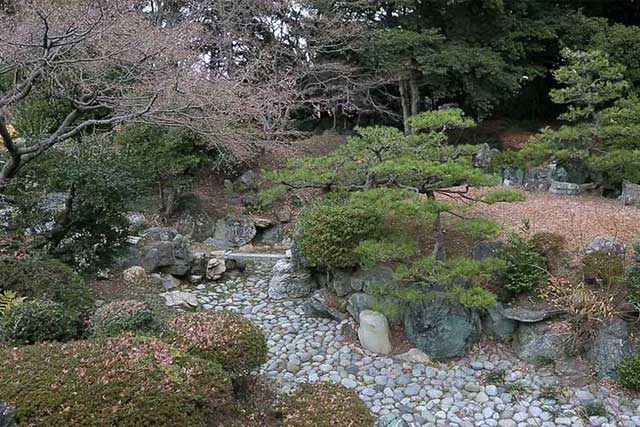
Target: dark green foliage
column 632, row 277
column 326, row 405
column 629, row 373
column 34, row 321
column 225, row 338
column 123, row 316
column 330, row 232
column 124, row 381
column 525, row 269
column 46, row 279
column 603, row 269
column 40, row 115
column 504, row 195
column 594, row 409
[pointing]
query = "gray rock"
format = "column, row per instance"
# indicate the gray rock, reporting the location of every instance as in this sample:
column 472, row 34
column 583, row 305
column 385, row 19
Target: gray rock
column 286, row 282
column 513, row 177
column 564, row 188
column 160, row 234
column 441, row 328
column 610, row 346
column 496, row 324
column 340, row 282
column 169, row 282
column 359, row 302
column 487, row 249
column 374, row 333
column 270, row 236
column 180, row 298
column 539, row 342
column 485, row 156
column 216, row 267
column 606, row 245
column 233, row 232
column 392, row 420
column 7, row 415
column 538, row 179
column 157, row 255
column 318, row 305
column 630, row 194
column 414, row 356
column 363, row 279
column 246, row 181
column 525, row 315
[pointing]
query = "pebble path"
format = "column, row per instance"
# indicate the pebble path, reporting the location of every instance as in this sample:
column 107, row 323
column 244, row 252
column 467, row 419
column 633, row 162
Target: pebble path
column 489, row 387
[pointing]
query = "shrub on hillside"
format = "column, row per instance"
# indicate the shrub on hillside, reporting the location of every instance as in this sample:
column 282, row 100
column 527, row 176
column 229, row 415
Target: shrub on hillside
column 550, row 246
column 629, row 373
column 46, row 279
column 222, row 337
column 330, row 233
column 35, row 321
column 525, row 268
column 326, row 405
column 123, row 381
column 603, row 268
column 123, row 316
column 632, row 277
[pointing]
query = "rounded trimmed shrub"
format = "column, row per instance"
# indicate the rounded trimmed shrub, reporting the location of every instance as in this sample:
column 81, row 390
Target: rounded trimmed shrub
column 123, row 316
column 226, row 338
column 326, row 405
column 329, row 233
column 47, row 279
column 526, row 267
column 629, row 373
column 124, row 381
column 34, row 321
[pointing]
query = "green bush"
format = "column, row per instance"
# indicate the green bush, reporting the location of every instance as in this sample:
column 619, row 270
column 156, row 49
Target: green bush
column 629, row 373
column 330, row 233
column 603, row 268
column 632, row 277
column 504, row 195
column 123, row 316
column 36, row 321
column 474, row 297
column 326, row 405
column 525, row 268
column 222, row 337
column 46, row 279
column 124, row 381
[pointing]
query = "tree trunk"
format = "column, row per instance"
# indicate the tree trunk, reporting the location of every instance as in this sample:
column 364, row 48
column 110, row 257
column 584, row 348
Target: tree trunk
column 406, row 104
column 415, row 93
column 12, row 167
column 439, row 251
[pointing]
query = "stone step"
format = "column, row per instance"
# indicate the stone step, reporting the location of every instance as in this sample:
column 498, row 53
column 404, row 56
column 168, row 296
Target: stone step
column 255, row 257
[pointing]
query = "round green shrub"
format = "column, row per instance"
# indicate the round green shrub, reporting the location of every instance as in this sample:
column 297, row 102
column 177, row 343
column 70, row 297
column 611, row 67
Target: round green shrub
column 123, row 316
column 35, row 321
column 226, row 338
column 326, row 405
column 47, row 279
column 629, row 373
column 330, row 233
column 123, row 381
column 525, row 268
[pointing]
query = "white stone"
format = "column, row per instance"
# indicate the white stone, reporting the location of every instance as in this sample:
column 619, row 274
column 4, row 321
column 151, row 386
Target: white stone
column 215, row 268
column 134, row 275
column 177, row 298
column 373, row 332
column 414, row 356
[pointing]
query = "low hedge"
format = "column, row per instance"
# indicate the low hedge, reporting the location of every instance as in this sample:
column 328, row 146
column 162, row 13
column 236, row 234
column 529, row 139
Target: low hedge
column 46, row 279
column 123, row 316
column 34, row 321
column 326, row 405
column 629, row 373
column 123, row 381
column 222, row 337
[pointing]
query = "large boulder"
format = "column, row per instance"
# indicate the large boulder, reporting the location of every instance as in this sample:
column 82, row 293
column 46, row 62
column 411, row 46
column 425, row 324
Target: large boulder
column 359, row 302
column 538, row 179
column 374, row 333
column 564, row 188
column 340, row 282
column 216, row 267
column 609, row 348
column 441, row 328
column 233, row 232
column 630, row 194
column 7, row 415
column 319, row 305
column 512, row 177
column 362, row 280
column 158, row 255
column 607, row 246
column 496, row 324
column 287, row 282
column 542, row 341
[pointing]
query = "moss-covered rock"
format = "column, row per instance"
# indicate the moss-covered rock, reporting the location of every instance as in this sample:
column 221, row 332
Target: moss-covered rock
column 47, row 279
column 123, row 381
column 326, row 405
column 222, row 337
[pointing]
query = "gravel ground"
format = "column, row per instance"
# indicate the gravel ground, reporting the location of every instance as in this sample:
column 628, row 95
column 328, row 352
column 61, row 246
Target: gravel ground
column 489, row 387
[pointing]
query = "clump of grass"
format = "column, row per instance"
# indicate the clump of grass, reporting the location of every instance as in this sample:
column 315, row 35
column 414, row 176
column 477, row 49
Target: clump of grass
column 549, row 392
column 495, row 378
column 594, row 408
column 504, row 195
column 516, row 388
